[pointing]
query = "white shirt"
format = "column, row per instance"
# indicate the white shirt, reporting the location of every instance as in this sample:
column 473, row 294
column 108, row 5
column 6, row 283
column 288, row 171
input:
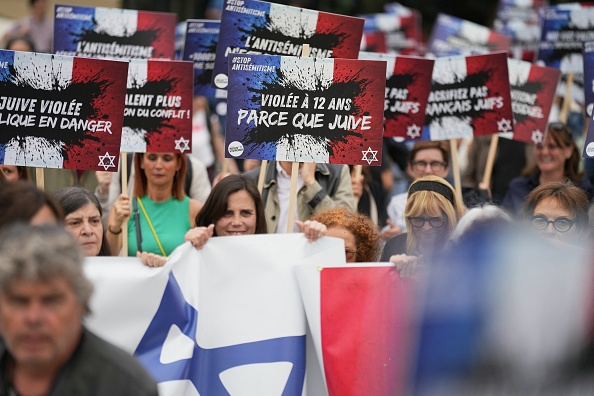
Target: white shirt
column 283, row 181
column 396, row 210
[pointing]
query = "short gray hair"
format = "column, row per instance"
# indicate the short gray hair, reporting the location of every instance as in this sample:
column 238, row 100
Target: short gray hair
column 42, row 252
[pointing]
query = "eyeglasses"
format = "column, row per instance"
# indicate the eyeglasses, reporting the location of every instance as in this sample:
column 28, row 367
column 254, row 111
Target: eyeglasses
column 419, row 222
column 561, row 224
column 436, row 166
column 350, row 252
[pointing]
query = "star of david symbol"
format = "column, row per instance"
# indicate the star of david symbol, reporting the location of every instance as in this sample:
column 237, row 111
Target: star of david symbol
column 504, row 125
column 537, row 136
column 203, row 368
column 182, row 144
column 367, row 153
column 413, row 131
column 106, row 157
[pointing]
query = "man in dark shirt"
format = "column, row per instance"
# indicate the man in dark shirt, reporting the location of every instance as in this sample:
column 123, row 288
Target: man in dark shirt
column 45, row 349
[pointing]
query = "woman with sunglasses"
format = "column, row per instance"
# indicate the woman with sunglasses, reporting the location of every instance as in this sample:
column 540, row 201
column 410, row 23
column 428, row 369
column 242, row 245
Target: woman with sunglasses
column 432, row 211
column 557, row 159
column 559, row 211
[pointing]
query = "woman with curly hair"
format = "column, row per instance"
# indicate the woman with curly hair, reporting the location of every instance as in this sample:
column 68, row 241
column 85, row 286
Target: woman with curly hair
column 362, row 239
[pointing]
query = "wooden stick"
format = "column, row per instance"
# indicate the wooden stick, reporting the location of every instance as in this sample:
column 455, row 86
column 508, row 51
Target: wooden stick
column 292, row 197
column 262, row 175
column 124, row 171
column 490, row 161
column 40, row 178
column 225, row 166
column 566, row 99
column 456, row 168
column 358, row 171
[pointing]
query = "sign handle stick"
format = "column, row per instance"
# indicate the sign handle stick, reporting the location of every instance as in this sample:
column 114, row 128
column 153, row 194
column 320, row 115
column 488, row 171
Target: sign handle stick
column 294, row 173
column 262, row 175
column 358, row 171
column 40, row 178
column 566, row 99
column 456, row 168
column 225, row 166
column 124, row 166
column 490, row 161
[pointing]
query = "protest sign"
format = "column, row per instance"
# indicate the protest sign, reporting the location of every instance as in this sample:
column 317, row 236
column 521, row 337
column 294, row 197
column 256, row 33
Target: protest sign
column 564, row 28
column 408, row 83
column 519, row 19
column 374, row 42
column 305, row 109
column 588, row 56
column 258, row 27
column 200, row 47
column 532, row 93
column 158, row 114
column 211, row 323
column 60, row 111
column 113, row 33
column 360, row 316
column 403, row 33
column 454, row 36
column 469, row 96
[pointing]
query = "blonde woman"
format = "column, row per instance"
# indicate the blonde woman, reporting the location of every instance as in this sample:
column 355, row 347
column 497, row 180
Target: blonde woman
column 432, row 212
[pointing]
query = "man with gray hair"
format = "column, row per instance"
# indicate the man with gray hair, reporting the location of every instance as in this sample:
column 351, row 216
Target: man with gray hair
column 45, row 349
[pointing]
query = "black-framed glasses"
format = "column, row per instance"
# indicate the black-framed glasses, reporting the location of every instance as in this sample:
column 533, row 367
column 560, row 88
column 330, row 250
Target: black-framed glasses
column 419, row 222
column 436, row 166
column 561, row 224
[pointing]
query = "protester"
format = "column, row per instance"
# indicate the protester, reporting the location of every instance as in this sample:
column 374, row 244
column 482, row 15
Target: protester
column 432, row 212
column 20, row 43
column 369, row 194
column 486, row 218
column 44, row 296
column 14, row 173
column 162, row 214
column 557, row 159
column 425, row 158
column 23, row 201
column 320, row 187
column 362, row 239
column 234, row 207
column 82, row 218
column 559, row 211
column 37, row 26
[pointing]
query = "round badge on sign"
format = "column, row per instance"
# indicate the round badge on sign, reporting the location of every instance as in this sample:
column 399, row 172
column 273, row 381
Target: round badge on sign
column 221, row 80
column 590, row 149
column 235, row 148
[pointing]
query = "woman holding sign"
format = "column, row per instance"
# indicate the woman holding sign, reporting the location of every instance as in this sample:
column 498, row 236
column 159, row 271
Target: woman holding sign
column 432, row 211
column 161, row 211
column 557, row 160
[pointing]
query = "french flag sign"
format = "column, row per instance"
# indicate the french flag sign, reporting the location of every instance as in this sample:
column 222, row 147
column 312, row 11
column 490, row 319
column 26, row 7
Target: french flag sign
column 359, row 316
column 209, row 322
column 259, row 27
column 111, row 33
column 61, row 111
column 287, row 108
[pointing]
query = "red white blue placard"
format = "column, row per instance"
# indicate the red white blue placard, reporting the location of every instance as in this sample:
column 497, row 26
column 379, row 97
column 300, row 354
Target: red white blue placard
column 258, row 27
column 532, row 92
column 469, row 96
column 158, row 114
column 408, row 83
column 403, row 33
column 112, row 33
column 60, row 111
column 454, row 36
column 305, row 109
column 519, row 19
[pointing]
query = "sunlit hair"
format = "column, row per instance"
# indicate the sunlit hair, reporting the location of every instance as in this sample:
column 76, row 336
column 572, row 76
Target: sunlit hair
column 216, row 204
column 424, row 145
column 21, row 200
column 567, row 195
column 33, row 253
column 179, row 179
column 480, row 217
column 72, row 199
column 424, row 203
column 367, row 235
column 561, row 135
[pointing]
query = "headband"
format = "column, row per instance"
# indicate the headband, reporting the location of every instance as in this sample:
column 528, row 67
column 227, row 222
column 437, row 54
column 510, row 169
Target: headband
column 430, row 185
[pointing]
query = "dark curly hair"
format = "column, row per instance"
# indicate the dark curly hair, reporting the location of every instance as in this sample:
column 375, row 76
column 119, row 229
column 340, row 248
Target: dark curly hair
column 367, row 235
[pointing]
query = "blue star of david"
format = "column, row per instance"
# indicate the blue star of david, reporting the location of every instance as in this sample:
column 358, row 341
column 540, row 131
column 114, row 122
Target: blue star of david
column 205, row 365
